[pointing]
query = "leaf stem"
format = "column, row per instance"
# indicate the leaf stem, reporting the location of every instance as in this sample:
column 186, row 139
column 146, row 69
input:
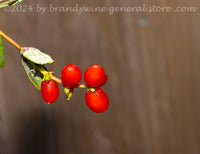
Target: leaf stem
column 10, row 40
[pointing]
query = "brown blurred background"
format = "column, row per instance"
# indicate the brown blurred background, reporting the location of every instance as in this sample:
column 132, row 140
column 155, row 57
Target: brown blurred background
column 153, row 64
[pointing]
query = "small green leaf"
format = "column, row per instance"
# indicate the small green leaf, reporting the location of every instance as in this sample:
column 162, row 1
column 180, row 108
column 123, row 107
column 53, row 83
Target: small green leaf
column 36, row 56
column 17, row 2
column 32, row 70
column 2, row 55
column 4, row 3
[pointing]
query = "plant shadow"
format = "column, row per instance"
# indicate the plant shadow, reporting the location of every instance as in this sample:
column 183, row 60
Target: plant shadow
column 38, row 134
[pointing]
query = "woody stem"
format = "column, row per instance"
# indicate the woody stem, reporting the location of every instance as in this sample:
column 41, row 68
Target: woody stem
column 10, row 40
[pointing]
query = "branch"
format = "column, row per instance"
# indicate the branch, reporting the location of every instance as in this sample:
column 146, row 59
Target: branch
column 10, row 40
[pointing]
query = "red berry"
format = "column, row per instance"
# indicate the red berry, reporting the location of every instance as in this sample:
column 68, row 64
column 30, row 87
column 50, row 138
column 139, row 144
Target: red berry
column 71, row 76
column 97, row 101
column 104, row 81
column 94, row 75
column 50, row 91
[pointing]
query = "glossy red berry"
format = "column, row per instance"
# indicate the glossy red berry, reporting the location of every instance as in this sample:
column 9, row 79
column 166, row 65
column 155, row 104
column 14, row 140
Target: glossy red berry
column 71, row 76
column 97, row 101
column 50, row 91
column 104, row 81
column 94, row 75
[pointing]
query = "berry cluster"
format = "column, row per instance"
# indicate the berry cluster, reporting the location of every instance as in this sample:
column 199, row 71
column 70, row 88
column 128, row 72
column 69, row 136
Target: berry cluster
column 34, row 60
column 94, row 77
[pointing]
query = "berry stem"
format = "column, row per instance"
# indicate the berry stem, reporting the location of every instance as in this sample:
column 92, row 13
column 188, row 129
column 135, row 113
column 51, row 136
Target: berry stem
column 69, row 95
column 82, row 86
column 55, row 78
column 44, row 72
column 10, row 40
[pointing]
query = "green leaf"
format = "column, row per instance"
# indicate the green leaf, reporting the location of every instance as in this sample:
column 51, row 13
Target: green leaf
column 33, row 72
column 17, row 2
column 36, row 56
column 4, row 3
column 2, row 55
